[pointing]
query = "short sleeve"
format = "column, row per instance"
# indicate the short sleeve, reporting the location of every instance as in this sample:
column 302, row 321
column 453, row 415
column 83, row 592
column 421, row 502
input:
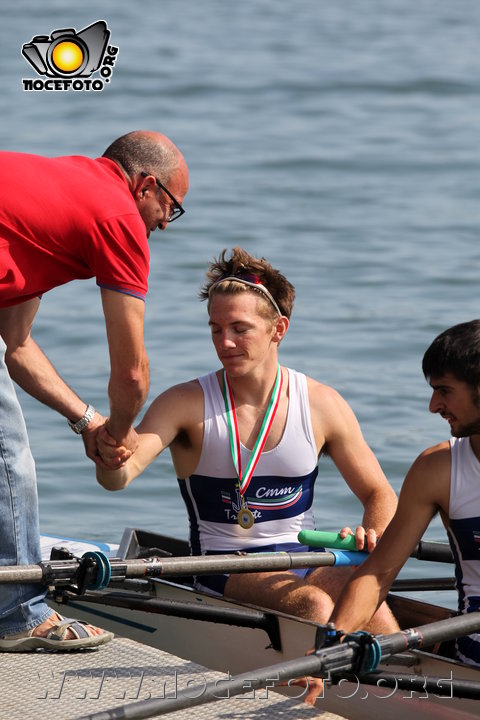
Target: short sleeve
column 121, row 255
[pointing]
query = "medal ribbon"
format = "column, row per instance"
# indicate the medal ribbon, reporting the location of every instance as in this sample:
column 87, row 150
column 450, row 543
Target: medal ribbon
column 234, row 435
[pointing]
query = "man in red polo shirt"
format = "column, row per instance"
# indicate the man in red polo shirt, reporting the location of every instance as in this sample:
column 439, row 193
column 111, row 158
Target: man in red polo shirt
column 63, row 219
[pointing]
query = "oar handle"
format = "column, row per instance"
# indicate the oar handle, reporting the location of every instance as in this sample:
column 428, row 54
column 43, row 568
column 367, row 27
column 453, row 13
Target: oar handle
column 319, row 538
column 433, row 551
column 425, row 550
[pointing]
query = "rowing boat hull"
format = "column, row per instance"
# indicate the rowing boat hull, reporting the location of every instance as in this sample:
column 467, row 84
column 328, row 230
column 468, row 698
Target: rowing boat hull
column 236, row 650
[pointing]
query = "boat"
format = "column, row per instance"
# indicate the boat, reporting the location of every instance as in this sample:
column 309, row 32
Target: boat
column 236, row 638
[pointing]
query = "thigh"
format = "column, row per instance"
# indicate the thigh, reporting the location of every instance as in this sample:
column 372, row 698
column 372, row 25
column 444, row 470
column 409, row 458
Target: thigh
column 282, row 591
column 266, row 588
column 330, row 579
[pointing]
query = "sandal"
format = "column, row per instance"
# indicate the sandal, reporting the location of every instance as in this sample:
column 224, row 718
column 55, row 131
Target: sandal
column 55, row 640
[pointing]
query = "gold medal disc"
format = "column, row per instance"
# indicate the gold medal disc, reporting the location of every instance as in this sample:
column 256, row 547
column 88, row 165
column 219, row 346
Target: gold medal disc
column 245, row 518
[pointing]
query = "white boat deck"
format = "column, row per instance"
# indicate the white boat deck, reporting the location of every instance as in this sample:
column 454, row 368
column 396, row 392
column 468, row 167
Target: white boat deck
column 67, row 686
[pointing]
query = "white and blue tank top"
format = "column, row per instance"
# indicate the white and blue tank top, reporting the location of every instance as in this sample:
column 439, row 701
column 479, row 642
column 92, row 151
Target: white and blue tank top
column 280, row 493
column 464, row 537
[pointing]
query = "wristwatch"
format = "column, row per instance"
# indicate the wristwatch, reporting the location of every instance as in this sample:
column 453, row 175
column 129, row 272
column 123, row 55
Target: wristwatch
column 79, row 426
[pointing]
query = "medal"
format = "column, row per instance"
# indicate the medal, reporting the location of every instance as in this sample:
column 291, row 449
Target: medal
column 245, row 516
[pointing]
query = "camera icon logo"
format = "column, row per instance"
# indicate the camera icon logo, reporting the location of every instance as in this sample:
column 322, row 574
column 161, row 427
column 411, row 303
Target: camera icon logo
column 66, row 53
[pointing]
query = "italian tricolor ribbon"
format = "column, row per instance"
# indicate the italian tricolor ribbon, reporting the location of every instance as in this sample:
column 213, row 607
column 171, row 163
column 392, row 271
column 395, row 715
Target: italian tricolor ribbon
column 244, row 480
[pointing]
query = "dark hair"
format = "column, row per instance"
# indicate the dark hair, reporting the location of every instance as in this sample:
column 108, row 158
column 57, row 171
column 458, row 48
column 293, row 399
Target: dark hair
column 455, row 351
column 139, row 151
column 241, row 263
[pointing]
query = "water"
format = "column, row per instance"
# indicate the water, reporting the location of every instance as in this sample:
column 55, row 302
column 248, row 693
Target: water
column 340, row 140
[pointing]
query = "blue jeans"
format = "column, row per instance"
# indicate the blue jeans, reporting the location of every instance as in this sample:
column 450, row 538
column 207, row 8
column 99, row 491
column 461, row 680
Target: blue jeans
column 22, row 607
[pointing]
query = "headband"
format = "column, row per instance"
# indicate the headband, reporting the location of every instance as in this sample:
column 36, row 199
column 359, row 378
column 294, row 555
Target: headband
column 252, row 281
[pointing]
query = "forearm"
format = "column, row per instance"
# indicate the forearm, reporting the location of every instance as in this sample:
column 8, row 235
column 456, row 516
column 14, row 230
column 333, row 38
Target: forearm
column 379, row 509
column 357, row 603
column 113, row 479
column 114, row 474
column 30, row 368
column 129, row 376
column 127, row 393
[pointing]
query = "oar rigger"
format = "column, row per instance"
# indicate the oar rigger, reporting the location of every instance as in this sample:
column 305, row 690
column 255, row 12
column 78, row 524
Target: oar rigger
column 93, row 571
column 366, row 649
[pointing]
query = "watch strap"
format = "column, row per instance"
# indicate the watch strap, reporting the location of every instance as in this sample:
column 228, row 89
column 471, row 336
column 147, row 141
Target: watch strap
column 79, row 426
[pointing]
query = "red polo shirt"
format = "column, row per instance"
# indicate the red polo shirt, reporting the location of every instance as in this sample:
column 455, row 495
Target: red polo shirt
column 68, row 218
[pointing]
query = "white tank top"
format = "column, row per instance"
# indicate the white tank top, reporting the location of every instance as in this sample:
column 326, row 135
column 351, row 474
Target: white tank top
column 280, row 493
column 464, row 523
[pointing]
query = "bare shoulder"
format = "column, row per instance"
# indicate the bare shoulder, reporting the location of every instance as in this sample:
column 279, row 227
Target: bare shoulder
column 322, row 395
column 329, row 410
column 436, row 458
column 181, row 403
column 333, row 421
column 190, row 390
column 428, row 479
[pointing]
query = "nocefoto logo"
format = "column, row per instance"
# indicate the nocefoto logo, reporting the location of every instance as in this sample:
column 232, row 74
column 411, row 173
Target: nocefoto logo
column 70, row 58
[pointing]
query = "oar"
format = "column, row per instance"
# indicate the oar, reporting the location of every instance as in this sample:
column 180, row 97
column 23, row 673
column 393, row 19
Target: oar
column 444, row 687
column 353, row 655
column 425, row 550
column 423, row 584
column 102, row 570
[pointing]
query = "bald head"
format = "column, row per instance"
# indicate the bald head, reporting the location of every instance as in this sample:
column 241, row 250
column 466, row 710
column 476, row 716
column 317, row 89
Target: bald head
column 146, row 150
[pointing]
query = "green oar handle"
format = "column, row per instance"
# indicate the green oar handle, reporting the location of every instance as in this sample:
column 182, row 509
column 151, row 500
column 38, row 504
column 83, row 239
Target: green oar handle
column 318, row 538
column 425, row 550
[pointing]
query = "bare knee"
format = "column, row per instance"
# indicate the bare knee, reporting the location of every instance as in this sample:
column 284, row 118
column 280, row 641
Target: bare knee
column 310, row 603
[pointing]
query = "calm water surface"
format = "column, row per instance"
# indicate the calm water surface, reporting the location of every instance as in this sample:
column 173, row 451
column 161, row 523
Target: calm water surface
column 340, row 140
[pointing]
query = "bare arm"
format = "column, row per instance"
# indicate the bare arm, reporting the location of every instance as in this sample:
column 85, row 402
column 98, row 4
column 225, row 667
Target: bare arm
column 335, row 423
column 30, row 368
column 425, row 490
column 129, row 374
column 178, row 412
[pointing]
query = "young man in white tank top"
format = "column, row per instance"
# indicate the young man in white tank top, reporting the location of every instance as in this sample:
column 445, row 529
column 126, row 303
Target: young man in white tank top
column 444, row 478
column 245, row 442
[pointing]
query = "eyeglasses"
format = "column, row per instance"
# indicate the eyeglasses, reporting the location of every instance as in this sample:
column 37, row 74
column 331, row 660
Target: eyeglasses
column 177, row 210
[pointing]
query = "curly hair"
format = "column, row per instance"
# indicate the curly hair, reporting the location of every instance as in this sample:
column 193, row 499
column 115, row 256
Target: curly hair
column 241, row 263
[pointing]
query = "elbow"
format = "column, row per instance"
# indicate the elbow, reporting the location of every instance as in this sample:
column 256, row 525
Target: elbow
column 143, row 386
column 133, row 381
column 384, row 497
column 136, row 386
column 109, row 482
column 139, row 376
column 393, row 500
